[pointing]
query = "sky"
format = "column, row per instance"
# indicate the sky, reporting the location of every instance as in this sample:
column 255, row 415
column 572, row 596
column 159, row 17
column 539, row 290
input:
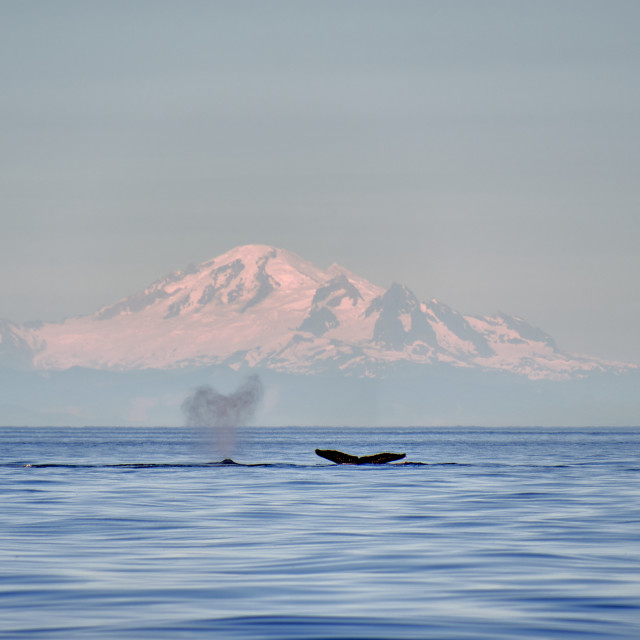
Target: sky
column 482, row 153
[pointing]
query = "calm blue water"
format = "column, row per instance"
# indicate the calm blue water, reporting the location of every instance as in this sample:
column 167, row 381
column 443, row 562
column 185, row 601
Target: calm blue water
column 506, row 533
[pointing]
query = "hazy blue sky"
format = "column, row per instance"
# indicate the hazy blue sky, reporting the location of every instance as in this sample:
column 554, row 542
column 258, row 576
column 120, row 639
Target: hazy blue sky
column 485, row 153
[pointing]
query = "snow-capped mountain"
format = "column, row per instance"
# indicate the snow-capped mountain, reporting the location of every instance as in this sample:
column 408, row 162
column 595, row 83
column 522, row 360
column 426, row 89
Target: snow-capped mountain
column 258, row 306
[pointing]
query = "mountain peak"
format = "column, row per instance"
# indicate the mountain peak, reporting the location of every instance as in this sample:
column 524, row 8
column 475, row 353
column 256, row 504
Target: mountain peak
column 262, row 306
column 246, row 253
column 401, row 321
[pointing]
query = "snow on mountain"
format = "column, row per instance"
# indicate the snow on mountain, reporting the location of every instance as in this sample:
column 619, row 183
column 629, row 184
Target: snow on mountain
column 17, row 345
column 259, row 306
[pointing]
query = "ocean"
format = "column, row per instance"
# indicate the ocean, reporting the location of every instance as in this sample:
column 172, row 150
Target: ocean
column 479, row 533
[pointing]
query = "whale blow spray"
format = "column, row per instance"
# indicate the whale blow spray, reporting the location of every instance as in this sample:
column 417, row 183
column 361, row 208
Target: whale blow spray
column 222, row 414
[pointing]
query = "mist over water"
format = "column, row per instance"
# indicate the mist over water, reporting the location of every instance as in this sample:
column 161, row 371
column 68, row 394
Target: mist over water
column 220, row 415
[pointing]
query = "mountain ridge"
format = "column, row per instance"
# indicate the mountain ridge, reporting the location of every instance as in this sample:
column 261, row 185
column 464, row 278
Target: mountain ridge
column 261, row 306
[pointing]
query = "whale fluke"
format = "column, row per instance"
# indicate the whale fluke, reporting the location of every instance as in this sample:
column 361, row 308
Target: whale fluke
column 344, row 458
column 381, row 458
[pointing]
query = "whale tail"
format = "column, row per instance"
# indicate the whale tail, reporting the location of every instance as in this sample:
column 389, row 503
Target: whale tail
column 344, row 458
